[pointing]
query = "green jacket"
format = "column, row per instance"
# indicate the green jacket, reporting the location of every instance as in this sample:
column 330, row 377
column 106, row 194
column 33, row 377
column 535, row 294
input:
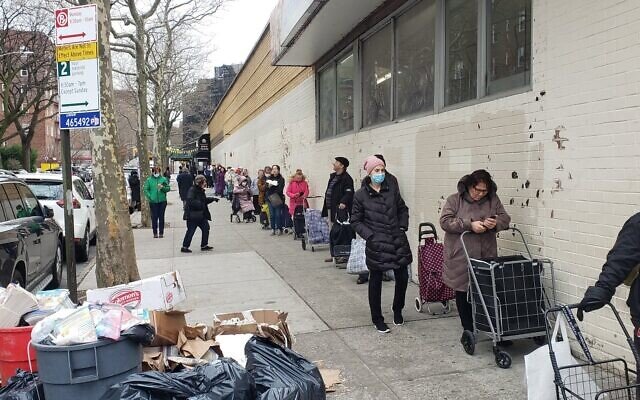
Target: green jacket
column 152, row 192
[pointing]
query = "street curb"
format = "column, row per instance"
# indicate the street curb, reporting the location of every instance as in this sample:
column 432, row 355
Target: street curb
column 88, row 270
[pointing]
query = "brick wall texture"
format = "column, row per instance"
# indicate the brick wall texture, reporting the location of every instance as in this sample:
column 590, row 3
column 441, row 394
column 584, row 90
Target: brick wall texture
column 570, row 203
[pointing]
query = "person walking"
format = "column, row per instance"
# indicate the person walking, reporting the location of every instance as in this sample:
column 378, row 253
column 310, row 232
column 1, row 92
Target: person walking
column 197, row 215
column 275, row 198
column 134, row 187
column 167, row 174
column 185, row 181
column 339, row 193
column 475, row 207
column 297, row 192
column 381, row 217
column 155, row 190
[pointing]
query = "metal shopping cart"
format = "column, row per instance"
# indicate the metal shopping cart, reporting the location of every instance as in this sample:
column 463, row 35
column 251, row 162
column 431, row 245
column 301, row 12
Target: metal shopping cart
column 508, row 299
column 592, row 379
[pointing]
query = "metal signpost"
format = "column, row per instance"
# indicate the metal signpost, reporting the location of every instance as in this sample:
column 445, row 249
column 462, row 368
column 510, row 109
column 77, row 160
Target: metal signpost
column 79, row 101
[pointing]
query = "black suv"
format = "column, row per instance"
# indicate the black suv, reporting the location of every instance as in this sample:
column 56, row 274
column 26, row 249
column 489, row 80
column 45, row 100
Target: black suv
column 30, row 239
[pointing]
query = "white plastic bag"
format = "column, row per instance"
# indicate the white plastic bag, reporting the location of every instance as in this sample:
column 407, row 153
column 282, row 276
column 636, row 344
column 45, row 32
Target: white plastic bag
column 539, row 372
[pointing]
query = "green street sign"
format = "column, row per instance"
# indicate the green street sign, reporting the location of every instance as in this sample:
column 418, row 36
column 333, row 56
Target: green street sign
column 64, row 68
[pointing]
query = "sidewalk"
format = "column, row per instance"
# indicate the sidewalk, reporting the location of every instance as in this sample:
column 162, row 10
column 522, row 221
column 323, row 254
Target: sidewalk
column 328, row 313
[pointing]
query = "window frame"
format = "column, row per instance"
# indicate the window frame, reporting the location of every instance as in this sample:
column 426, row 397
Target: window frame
column 482, row 74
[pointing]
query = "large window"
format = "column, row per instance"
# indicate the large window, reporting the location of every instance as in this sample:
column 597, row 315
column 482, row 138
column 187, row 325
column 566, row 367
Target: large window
column 424, row 57
column 415, row 59
column 509, row 54
column 345, row 93
column 461, row 31
column 327, row 106
column 376, row 78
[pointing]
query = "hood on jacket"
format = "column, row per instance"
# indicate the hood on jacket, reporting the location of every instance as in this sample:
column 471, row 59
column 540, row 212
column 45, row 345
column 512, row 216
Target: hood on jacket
column 463, row 183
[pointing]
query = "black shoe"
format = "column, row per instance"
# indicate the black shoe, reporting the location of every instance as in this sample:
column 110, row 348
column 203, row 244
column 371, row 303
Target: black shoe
column 206, row 248
column 185, row 250
column 362, row 280
column 155, row 235
column 161, row 236
column 273, row 233
column 398, row 320
column 382, row 327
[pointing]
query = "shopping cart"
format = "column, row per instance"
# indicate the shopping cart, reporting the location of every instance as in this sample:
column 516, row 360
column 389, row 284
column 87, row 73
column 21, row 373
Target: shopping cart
column 592, row 379
column 508, row 299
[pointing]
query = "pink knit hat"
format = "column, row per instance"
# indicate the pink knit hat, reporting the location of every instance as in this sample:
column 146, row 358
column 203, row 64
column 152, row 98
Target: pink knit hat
column 371, row 162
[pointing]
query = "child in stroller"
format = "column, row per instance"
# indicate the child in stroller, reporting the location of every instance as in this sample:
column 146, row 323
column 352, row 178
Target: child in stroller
column 242, row 201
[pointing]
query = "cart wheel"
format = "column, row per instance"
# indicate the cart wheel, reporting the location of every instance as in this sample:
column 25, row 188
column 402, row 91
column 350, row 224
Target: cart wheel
column 304, row 244
column 418, row 304
column 540, row 340
column 468, row 342
column 447, row 307
column 503, row 359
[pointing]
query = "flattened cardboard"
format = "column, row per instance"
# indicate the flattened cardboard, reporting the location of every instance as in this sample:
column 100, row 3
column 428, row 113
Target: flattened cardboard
column 270, row 324
column 168, row 325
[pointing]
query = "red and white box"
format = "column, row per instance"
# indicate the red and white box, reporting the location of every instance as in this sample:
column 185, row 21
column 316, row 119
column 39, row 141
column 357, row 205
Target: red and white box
column 162, row 292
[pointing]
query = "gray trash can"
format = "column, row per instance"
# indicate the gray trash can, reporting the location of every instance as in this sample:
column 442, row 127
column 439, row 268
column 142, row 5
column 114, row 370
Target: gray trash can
column 86, row 371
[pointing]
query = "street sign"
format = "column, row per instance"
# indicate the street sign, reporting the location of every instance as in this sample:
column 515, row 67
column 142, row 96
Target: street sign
column 78, row 67
column 76, row 25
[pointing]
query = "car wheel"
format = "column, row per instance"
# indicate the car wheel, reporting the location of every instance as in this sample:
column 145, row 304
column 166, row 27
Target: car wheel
column 56, row 268
column 83, row 247
column 94, row 239
column 18, row 279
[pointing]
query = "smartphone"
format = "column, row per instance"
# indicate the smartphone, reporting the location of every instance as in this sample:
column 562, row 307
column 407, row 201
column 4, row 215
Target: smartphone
column 493, row 217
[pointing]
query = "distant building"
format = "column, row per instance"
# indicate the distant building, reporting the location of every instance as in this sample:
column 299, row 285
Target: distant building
column 199, row 105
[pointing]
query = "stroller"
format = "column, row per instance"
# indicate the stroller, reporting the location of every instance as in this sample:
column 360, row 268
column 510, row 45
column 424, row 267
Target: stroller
column 236, row 207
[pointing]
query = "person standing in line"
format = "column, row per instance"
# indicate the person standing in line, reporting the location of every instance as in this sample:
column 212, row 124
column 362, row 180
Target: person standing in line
column 297, row 192
column 475, row 207
column 185, row 181
column 256, row 191
column 275, row 198
column 134, row 186
column 208, row 175
column 381, row 217
column 197, row 215
column 339, row 193
column 219, row 186
column 155, row 189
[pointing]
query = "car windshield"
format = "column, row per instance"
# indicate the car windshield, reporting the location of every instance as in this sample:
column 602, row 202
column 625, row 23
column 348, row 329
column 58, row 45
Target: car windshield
column 46, row 190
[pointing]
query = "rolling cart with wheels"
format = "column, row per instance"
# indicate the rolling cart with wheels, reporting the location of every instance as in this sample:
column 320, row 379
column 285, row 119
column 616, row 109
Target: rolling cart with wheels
column 592, row 379
column 508, row 299
column 316, row 230
column 430, row 267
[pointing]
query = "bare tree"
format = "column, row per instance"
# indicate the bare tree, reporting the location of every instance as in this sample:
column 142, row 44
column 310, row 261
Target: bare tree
column 27, row 71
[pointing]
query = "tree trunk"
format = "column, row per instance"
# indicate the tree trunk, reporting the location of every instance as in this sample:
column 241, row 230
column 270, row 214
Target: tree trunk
column 26, row 154
column 143, row 152
column 116, row 256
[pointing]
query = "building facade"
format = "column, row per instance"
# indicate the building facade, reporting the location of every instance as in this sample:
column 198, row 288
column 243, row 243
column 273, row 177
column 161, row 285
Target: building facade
column 548, row 104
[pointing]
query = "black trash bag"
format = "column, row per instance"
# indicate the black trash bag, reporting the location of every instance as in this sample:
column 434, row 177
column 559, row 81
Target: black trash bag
column 281, row 373
column 143, row 334
column 23, row 386
column 223, row 379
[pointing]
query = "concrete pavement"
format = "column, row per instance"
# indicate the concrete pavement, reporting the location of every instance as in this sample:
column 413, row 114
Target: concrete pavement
column 329, row 313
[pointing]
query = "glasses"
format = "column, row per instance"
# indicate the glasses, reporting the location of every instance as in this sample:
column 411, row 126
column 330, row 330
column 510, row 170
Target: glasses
column 480, row 190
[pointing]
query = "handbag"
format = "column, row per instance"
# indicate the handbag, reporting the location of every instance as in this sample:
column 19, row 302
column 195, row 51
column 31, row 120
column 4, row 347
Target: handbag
column 275, row 200
column 539, row 372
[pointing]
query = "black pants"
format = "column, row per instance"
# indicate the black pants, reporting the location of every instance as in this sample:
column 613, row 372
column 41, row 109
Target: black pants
column 191, row 229
column 157, row 216
column 375, row 292
column 256, row 205
column 464, row 311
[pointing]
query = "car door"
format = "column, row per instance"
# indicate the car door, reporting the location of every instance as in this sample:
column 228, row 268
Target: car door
column 48, row 234
column 27, row 231
column 87, row 203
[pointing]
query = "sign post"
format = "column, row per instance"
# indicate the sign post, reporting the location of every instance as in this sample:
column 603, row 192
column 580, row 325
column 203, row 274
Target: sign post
column 78, row 71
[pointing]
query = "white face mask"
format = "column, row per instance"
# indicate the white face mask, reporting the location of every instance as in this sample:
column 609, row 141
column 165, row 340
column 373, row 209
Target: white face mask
column 157, row 175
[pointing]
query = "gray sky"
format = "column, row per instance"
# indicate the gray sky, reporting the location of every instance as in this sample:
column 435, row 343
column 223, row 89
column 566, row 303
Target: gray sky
column 236, row 29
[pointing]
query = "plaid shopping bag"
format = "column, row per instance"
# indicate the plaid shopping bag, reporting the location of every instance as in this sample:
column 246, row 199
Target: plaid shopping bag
column 317, row 227
column 357, row 263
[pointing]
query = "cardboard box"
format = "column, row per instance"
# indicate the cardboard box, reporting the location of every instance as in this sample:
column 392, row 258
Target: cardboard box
column 168, row 325
column 16, row 303
column 271, row 324
column 162, row 292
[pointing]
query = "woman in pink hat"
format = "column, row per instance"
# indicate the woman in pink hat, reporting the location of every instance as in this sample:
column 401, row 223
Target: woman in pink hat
column 381, row 217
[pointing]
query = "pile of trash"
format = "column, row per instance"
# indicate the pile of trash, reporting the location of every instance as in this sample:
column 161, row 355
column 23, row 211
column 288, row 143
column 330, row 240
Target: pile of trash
column 241, row 355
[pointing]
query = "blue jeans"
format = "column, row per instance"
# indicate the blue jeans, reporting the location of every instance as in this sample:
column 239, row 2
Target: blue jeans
column 275, row 214
column 157, row 216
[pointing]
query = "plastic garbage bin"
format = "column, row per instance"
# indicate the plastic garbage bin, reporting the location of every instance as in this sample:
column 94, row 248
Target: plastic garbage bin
column 14, row 353
column 86, row 371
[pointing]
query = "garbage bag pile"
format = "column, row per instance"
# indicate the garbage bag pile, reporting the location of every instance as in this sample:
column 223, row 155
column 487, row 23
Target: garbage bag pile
column 23, row 386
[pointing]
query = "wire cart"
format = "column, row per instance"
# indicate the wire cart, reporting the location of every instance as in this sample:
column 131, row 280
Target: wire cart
column 508, row 299
column 592, row 379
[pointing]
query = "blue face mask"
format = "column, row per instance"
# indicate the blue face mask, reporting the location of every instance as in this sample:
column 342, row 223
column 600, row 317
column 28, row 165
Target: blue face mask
column 377, row 178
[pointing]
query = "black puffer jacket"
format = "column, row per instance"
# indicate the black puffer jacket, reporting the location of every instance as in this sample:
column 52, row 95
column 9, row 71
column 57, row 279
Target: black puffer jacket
column 382, row 218
column 197, row 205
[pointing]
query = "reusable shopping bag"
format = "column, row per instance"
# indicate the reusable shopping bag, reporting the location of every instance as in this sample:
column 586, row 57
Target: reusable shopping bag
column 539, row 372
column 357, row 263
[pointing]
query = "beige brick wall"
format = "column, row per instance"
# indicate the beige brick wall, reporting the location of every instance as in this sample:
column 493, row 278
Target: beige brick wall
column 586, row 56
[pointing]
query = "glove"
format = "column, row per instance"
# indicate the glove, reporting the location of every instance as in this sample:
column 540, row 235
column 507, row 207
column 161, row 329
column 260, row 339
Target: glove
column 594, row 299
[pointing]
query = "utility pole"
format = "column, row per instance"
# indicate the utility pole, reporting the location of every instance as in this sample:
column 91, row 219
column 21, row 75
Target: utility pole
column 69, row 230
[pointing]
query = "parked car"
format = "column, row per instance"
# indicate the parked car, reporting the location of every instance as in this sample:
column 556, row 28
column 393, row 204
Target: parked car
column 30, row 239
column 48, row 189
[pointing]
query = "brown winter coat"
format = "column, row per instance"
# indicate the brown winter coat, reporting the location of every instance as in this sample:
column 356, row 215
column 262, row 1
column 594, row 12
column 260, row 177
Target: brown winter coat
column 262, row 189
column 458, row 213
